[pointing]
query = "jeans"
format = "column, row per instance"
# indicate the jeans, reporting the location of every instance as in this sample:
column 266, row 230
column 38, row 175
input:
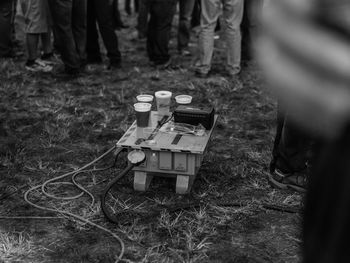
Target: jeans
column 232, row 17
column 69, row 27
column 250, row 26
column 102, row 12
column 6, row 15
column 185, row 14
column 159, row 27
column 142, row 18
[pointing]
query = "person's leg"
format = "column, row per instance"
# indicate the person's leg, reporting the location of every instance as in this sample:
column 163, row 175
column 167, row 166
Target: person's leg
column 127, row 7
column 46, row 43
column 183, row 35
column 142, row 19
column 92, row 46
column 136, row 6
column 293, row 154
column 326, row 224
column 32, row 41
column 163, row 13
column 250, row 26
column 32, row 63
column 62, row 16
column 79, row 28
column 117, row 21
column 151, row 30
column 35, row 16
column 6, row 14
column 196, row 14
column 294, row 148
column 232, row 18
column 105, row 24
column 209, row 16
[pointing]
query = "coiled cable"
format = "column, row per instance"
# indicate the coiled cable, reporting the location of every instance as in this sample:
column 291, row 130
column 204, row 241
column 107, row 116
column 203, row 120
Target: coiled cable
column 54, row 180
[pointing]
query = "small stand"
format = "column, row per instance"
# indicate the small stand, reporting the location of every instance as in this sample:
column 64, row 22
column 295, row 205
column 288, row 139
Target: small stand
column 169, row 155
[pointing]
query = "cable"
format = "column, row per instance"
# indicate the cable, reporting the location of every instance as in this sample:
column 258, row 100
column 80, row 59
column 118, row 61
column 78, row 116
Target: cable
column 74, row 174
column 110, row 217
column 105, row 192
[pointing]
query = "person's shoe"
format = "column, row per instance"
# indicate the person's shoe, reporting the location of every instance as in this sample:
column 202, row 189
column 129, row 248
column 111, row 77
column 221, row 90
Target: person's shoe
column 49, row 59
column 164, row 65
column 37, row 66
column 201, row 72
column 233, row 72
column 296, row 181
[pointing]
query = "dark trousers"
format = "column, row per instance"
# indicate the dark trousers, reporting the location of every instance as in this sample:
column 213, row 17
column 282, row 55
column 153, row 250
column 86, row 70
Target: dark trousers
column 250, row 25
column 116, row 14
column 101, row 11
column 69, row 27
column 185, row 14
column 293, row 147
column 6, row 15
column 326, row 226
column 196, row 14
column 159, row 27
column 142, row 18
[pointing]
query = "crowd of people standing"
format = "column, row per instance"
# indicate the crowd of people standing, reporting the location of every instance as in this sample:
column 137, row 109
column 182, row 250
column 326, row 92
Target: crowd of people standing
column 76, row 25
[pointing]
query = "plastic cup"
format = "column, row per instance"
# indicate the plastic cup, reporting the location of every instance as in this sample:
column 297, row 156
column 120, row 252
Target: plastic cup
column 183, row 99
column 163, row 99
column 145, row 98
column 142, row 111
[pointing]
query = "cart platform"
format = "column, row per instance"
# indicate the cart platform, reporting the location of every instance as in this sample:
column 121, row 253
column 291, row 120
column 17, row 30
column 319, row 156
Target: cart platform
column 167, row 154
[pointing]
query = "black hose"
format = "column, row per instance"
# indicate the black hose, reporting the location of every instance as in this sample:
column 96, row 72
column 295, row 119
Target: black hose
column 109, row 216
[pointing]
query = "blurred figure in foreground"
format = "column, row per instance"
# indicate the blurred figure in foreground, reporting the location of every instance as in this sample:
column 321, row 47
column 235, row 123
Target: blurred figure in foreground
column 306, row 56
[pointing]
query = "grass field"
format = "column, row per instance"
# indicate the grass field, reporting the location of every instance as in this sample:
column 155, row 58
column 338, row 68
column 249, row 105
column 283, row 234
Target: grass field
column 51, row 125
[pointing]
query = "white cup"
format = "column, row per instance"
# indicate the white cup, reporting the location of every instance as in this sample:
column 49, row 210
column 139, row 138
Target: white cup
column 163, row 99
column 183, row 99
column 145, row 98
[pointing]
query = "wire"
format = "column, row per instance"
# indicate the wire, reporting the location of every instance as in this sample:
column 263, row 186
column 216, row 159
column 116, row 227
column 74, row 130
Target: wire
column 83, row 190
column 105, row 192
